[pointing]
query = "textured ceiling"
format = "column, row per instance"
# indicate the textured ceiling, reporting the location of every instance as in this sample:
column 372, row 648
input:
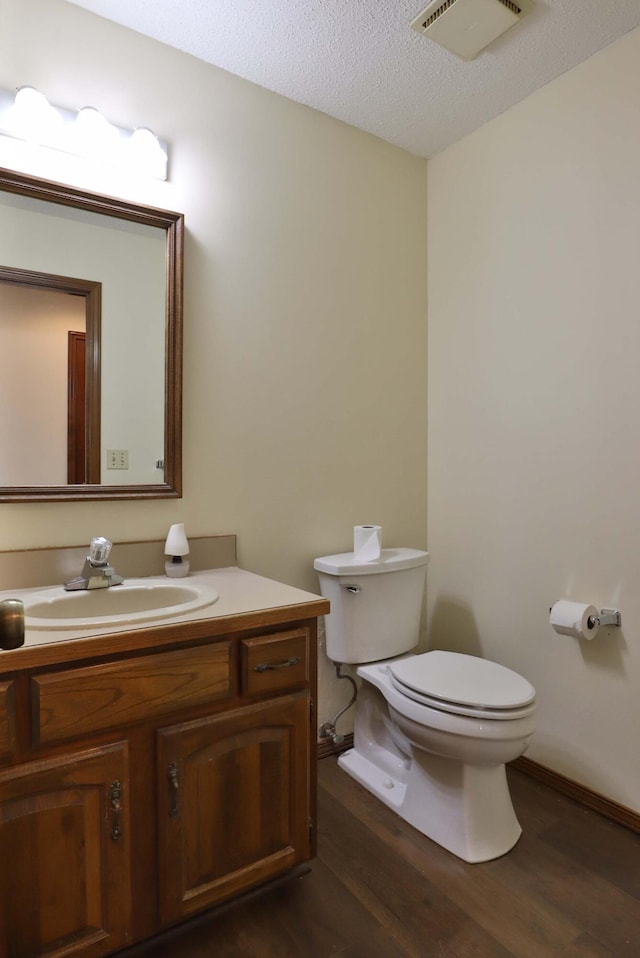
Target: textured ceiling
column 359, row 61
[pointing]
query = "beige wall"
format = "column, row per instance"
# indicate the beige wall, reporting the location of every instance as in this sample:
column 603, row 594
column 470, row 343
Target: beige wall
column 305, row 302
column 534, row 406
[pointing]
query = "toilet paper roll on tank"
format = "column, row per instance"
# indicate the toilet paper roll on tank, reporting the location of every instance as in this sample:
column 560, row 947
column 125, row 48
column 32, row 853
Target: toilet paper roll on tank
column 574, row 618
column 367, row 543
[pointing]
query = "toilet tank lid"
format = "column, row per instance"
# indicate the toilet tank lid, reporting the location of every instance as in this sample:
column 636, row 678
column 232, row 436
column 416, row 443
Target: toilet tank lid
column 391, row 560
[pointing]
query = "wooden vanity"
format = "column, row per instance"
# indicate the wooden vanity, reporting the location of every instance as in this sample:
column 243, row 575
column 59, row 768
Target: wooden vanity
column 148, row 775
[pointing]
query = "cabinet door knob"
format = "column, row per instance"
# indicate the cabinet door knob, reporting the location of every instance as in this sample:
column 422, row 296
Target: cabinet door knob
column 264, row 666
column 172, row 775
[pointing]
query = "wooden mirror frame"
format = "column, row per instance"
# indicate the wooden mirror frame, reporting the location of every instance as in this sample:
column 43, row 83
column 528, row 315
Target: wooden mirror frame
column 173, row 225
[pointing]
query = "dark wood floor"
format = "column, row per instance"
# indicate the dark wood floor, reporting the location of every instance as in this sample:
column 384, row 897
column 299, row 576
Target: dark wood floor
column 379, row 889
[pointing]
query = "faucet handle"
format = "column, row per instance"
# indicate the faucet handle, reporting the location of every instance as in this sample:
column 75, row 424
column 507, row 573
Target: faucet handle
column 99, row 550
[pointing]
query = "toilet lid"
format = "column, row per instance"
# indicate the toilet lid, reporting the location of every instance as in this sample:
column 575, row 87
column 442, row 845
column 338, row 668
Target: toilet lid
column 452, row 678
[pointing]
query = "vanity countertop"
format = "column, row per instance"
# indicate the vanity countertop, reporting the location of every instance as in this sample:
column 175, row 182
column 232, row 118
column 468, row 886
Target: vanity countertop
column 246, row 601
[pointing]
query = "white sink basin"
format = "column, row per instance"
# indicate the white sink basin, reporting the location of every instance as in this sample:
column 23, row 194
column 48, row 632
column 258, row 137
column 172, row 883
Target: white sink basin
column 136, row 600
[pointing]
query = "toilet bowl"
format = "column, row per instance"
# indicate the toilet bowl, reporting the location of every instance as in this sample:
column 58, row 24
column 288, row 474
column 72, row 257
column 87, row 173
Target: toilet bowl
column 440, row 766
column 432, row 731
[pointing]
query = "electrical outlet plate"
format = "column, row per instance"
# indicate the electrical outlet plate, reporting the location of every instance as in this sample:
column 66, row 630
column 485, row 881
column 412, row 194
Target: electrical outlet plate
column 117, row 458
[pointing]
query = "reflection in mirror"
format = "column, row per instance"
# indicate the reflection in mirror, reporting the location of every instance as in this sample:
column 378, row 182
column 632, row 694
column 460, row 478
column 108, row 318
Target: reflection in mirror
column 50, row 328
column 101, row 419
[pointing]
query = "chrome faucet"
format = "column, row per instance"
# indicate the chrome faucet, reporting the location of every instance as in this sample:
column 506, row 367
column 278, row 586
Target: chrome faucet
column 96, row 572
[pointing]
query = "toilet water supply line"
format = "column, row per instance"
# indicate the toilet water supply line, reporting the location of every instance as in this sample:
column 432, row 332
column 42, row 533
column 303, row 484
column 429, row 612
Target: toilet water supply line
column 328, row 729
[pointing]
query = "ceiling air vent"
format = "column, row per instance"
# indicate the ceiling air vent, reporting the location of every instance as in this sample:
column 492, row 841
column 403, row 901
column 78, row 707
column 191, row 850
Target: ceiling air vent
column 465, row 27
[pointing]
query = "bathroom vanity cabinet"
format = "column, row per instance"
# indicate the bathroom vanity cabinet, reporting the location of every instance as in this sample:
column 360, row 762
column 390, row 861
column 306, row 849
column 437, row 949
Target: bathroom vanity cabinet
column 146, row 776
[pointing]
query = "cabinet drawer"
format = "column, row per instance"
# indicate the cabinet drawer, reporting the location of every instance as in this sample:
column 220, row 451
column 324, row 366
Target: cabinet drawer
column 274, row 662
column 80, row 701
column 7, row 719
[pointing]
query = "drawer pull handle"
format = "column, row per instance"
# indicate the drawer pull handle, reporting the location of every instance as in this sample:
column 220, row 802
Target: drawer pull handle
column 264, row 666
column 172, row 775
column 114, row 796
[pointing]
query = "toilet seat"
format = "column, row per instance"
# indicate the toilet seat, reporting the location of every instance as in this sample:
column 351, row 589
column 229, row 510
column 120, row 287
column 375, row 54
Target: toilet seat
column 463, row 685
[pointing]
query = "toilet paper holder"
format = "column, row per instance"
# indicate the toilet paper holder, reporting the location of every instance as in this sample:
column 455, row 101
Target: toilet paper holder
column 606, row 617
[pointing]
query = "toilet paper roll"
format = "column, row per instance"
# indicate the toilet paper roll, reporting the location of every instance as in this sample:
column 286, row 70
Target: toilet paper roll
column 367, row 542
column 572, row 618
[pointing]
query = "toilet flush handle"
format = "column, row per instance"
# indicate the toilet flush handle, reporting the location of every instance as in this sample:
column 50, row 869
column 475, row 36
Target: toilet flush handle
column 353, row 589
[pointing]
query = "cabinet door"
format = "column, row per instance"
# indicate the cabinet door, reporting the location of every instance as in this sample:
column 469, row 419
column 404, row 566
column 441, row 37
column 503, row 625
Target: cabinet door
column 233, row 805
column 64, row 853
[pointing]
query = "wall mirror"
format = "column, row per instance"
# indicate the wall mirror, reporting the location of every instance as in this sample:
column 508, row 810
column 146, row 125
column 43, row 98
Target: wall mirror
column 90, row 345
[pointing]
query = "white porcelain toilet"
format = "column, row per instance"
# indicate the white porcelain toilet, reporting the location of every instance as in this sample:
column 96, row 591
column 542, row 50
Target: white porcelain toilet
column 432, row 731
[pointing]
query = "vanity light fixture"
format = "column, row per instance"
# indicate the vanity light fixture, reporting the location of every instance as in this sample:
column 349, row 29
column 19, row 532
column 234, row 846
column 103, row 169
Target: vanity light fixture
column 30, row 117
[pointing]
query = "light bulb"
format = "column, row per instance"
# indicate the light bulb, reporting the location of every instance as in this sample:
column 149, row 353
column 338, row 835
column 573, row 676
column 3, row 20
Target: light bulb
column 95, row 137
column 145, row 153
column 33, row 118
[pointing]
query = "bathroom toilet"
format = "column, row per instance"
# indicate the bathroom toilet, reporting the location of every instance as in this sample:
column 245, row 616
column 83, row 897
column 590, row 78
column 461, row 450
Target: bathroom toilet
column 432, row 731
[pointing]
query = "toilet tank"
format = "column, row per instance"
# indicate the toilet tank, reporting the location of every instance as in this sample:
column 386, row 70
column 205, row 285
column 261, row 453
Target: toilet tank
column 375, row 606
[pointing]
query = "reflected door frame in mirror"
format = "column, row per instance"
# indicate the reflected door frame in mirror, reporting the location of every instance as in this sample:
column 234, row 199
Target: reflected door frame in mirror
column 172, row 224
column 89, row 418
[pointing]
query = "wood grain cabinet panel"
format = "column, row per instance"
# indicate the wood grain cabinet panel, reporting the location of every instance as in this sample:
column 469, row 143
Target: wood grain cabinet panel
column 274, row 663
column 7, row 719
column 80, row 701
column 64, row 847
column 233, row 802
column 139, row 791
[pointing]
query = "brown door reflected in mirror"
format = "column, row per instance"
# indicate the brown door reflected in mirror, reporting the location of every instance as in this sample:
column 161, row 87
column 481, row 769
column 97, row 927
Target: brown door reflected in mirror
column 82, row 466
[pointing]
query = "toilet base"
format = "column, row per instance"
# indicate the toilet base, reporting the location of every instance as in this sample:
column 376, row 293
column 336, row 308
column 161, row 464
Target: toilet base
column 465, row 808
